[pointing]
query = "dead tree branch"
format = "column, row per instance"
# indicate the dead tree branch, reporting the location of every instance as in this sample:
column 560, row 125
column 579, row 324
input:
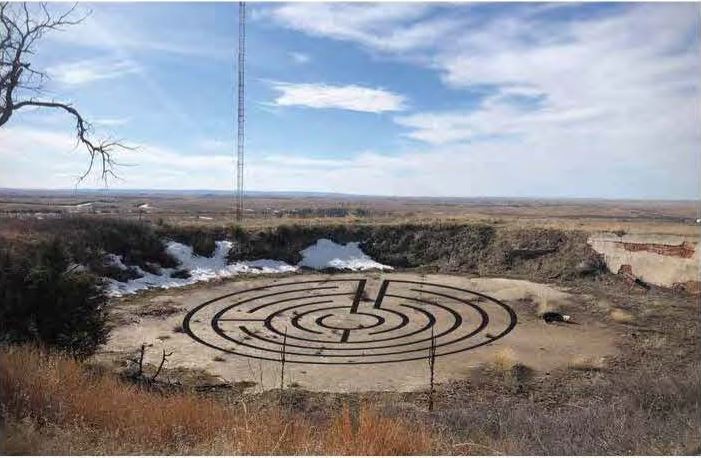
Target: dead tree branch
column 139, row 362
column 164, row 358
column 21, row 27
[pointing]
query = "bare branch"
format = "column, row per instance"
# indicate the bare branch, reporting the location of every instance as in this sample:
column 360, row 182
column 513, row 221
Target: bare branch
column 19, row 30
column 102, row 150
column 139, row 361
column 164, row 358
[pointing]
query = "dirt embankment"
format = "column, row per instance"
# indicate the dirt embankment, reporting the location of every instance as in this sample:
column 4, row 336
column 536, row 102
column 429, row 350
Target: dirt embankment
column 538, row 254
column 479, row 249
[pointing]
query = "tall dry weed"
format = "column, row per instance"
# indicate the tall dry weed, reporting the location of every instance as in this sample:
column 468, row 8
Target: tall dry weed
column 54, row 406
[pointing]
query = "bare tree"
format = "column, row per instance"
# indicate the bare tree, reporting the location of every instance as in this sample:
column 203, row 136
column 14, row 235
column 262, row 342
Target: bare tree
column 21, row 27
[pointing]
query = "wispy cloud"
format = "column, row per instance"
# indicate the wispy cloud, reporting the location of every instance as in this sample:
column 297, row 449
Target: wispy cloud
column 618, row 88
column 111, row 122
column 384, row 26
column 352, row 97
column 139, row 29
column 299, row 58
column 40, row 158
column 91, row 70
column 600, row 80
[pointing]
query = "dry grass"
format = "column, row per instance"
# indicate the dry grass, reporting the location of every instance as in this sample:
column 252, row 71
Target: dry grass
column 51, row 405
column 504, row 359
column 545, row 305
column 640, row 411
column 621, row 316
column 588, row 363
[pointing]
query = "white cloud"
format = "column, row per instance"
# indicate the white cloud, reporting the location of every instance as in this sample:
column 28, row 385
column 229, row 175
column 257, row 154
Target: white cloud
column 386, row 26
column 498, row 117
column 91, row 70
column 40, row 158
column 50, row 159
column 352, row 97
column 601, row 103
column 110, row 122
column 625, row 85
column 299, row 58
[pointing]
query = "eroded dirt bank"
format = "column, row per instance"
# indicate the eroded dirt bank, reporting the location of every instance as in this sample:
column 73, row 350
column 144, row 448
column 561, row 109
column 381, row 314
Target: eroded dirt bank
column 537, row 254
column 669, row 261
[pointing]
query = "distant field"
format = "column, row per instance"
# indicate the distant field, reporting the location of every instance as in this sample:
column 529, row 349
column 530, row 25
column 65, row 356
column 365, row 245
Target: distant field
column 216, row 208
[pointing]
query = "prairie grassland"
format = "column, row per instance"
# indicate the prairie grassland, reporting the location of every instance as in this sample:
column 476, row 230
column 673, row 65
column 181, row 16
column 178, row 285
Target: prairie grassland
column 211, row 210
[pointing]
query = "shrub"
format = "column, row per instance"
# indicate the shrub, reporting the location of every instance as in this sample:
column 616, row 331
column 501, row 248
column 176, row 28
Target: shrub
column 203, row 244
column 87, row 240
column 45, row 299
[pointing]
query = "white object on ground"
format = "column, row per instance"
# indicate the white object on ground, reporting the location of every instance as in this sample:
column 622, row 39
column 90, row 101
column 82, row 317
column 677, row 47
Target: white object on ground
column 327, row 254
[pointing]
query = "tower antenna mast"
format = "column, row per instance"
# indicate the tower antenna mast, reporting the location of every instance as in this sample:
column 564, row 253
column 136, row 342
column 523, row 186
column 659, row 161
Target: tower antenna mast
column 240, row 115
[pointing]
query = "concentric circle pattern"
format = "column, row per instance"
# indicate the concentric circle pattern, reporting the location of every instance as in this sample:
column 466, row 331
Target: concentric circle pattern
column 349, row 321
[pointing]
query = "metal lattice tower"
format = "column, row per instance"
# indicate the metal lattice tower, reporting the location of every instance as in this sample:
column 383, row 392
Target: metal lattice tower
column 240, row 115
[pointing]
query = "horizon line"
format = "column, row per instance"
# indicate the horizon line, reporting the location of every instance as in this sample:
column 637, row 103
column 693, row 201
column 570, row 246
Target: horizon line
column 124, row 191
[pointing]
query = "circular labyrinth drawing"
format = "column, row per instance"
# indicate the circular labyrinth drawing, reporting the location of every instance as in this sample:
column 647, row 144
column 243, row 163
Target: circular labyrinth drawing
column 349, row 321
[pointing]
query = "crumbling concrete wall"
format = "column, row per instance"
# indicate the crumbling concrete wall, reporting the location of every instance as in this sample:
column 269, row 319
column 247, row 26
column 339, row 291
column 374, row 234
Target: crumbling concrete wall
column 663, row 260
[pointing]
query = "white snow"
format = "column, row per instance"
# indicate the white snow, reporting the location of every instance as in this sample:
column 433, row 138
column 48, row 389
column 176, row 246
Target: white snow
column 323, row 254
column 327, row 254
column 201, row 268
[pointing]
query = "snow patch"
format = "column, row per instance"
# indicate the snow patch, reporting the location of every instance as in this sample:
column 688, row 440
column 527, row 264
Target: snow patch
column 326, row 254
column 322, row 255
column 200, row 268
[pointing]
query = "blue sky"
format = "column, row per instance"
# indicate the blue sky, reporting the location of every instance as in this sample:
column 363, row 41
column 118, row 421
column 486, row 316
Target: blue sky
column 471, row 99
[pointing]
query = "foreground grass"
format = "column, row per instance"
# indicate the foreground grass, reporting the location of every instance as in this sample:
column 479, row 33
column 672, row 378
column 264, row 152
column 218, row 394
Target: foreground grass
column 51, row 405
column 648, row 403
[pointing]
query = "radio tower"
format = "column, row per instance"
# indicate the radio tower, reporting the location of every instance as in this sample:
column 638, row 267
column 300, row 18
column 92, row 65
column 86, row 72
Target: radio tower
column 240, row 116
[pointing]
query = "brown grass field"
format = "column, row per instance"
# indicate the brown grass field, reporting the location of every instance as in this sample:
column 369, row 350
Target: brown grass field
column 265, row 210
column 81, row 412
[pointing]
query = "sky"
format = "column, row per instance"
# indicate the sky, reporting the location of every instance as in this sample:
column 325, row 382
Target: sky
column 416, row 99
